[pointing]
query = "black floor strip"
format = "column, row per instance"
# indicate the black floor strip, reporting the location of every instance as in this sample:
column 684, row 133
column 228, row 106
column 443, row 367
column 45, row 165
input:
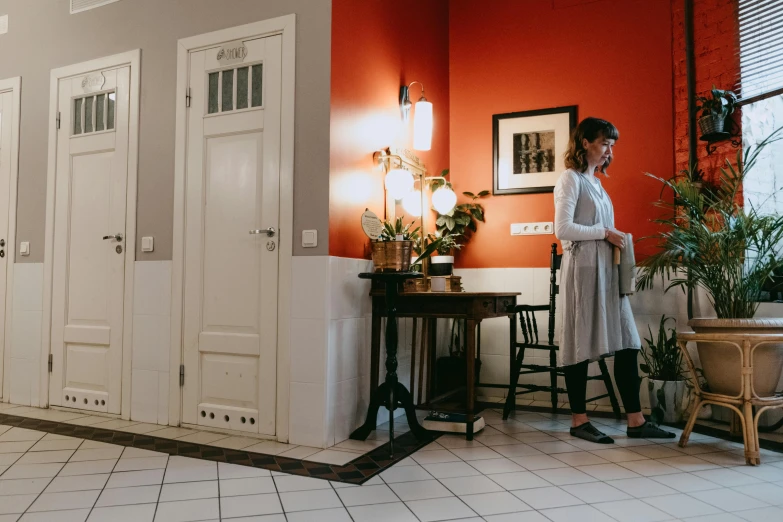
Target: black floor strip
column 357, row 471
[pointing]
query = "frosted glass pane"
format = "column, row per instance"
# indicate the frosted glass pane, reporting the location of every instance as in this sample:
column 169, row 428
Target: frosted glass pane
column 100, row 112
column 242, row 77
column 256, row 98
column 110, row 111
column 88, row 110
column 77, row 116
column 227, row 91
column 212, row 103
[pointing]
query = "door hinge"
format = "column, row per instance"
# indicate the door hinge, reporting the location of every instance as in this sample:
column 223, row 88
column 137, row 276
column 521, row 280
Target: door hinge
column 51, row 362
column 58, row 120
column 187, row 97
column 182, row 375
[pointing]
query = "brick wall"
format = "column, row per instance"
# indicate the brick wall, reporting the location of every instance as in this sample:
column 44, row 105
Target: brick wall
column 716, row 40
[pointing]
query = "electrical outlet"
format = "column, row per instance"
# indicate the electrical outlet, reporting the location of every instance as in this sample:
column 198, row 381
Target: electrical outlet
column 532, row 229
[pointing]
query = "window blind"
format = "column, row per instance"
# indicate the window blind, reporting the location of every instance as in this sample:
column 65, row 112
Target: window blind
column 761, row 49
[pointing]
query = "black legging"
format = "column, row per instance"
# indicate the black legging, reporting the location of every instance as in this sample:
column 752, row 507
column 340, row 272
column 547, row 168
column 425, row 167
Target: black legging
column 626, row 375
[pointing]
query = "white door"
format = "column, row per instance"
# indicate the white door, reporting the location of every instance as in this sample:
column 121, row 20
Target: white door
column 6, row 117
column 231, row 261
column 88, row 278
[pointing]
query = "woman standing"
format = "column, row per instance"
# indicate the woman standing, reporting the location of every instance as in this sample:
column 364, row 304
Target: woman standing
column 595, row 320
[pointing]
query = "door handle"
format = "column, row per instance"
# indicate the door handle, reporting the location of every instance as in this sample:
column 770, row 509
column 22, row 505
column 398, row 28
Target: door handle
column 115, row 237
column 270, row 232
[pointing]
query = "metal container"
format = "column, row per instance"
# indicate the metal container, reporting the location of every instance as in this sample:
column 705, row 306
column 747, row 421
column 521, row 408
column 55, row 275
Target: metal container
column 711, row 124
column 392, row 256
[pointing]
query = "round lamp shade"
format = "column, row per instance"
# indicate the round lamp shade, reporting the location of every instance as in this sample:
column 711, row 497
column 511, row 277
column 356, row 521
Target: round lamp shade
column 412, row 203
column 399, row 182
column 444, row 199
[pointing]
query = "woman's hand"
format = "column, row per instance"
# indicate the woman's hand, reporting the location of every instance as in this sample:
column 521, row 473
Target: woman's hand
column 615, row 237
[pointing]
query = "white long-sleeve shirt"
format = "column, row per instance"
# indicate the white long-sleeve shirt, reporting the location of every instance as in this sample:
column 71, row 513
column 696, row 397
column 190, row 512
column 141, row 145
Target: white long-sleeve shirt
column 566, row 196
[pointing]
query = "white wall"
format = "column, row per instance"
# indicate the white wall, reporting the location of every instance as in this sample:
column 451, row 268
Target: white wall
column 151, row 342
column 23, row 370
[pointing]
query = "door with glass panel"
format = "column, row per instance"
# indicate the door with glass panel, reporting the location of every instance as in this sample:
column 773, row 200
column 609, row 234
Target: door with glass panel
column 231, row 236
column 88, row 277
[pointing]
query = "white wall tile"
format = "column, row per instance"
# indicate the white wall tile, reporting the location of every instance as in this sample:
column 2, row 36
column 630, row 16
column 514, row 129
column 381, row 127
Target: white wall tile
column 307, row 424
column 144, row 396
column 344, row 345
column 151, row 349
column 309, row 350
column 28, row 287
column 348, row 416
column 25, row 325
column 310, row 287
column 152, row 288
column 163, row 398
column 151, row 342
column 26, row 335
column 348, row 295
column 21, row 373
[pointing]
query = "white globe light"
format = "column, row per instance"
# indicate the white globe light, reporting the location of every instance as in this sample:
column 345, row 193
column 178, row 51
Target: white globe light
column 412, row 203
column 444, row 199
column 399, row 182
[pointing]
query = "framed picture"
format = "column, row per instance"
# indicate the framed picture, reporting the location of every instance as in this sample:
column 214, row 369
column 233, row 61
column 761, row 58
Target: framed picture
column 528, row 149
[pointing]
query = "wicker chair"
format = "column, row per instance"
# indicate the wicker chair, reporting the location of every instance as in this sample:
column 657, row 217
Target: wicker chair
column 746, row 400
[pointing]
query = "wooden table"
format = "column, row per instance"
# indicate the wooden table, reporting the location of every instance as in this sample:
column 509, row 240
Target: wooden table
column 473, row 307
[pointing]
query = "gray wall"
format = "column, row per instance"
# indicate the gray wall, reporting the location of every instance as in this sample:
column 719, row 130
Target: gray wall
column 43, row 35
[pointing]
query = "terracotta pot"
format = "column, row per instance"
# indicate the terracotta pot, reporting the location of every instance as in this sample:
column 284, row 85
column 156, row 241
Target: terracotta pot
column 391, row 256
column 721, row 362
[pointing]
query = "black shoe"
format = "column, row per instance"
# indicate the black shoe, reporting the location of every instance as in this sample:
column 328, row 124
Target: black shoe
column 649, row 430
column 588, row 432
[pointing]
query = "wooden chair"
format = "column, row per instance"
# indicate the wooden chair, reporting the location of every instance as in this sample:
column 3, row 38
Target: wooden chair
column 526, row 315
column 746, row 401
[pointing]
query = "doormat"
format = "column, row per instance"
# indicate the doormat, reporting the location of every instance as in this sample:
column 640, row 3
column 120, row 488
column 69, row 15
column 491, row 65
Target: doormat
column 357, row 471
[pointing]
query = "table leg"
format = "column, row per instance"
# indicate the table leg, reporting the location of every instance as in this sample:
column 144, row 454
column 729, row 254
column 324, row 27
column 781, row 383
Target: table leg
column 375, row 350
column 471, row 377
column 391, row 392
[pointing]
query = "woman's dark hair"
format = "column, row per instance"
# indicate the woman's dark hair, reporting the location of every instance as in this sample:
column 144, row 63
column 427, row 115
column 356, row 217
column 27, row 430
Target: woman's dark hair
column 590, row 128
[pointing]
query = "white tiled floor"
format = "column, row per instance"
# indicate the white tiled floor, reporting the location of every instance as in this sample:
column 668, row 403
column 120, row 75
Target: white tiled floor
column 513, row 472
column 341, row 454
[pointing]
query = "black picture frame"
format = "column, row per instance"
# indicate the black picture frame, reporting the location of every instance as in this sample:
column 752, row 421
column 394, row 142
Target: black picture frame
column 548, row 157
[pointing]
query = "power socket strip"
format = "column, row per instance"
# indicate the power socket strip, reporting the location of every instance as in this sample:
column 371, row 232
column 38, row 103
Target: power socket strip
column 532, row 229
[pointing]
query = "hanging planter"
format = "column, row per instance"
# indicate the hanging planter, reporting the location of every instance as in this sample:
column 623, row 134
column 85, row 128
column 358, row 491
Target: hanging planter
column 715, row 108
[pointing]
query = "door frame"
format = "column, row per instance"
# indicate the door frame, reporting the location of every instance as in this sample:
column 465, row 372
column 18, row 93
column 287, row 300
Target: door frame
column 15, row 85
column 133, row 59
column 285, row 26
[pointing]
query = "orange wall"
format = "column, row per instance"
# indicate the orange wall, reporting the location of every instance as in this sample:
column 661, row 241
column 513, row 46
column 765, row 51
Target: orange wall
column 377, row 46
column 612, row 58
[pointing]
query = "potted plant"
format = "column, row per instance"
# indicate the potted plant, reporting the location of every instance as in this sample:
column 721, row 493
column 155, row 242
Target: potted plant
column 666, row 378
column 715, row 108
column 391, row 252
column 710, row 241
column 443, row 263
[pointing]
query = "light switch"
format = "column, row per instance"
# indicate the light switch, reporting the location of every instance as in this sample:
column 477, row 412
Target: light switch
column 147, row 244
column 309, row 238
column 3, row 24
column 24, row 248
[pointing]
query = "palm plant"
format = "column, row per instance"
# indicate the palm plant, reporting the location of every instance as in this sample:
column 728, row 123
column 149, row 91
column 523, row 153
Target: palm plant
column 709, row 240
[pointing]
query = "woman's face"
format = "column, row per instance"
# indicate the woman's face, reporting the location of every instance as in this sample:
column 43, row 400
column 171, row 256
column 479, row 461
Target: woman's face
column 598, row 151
